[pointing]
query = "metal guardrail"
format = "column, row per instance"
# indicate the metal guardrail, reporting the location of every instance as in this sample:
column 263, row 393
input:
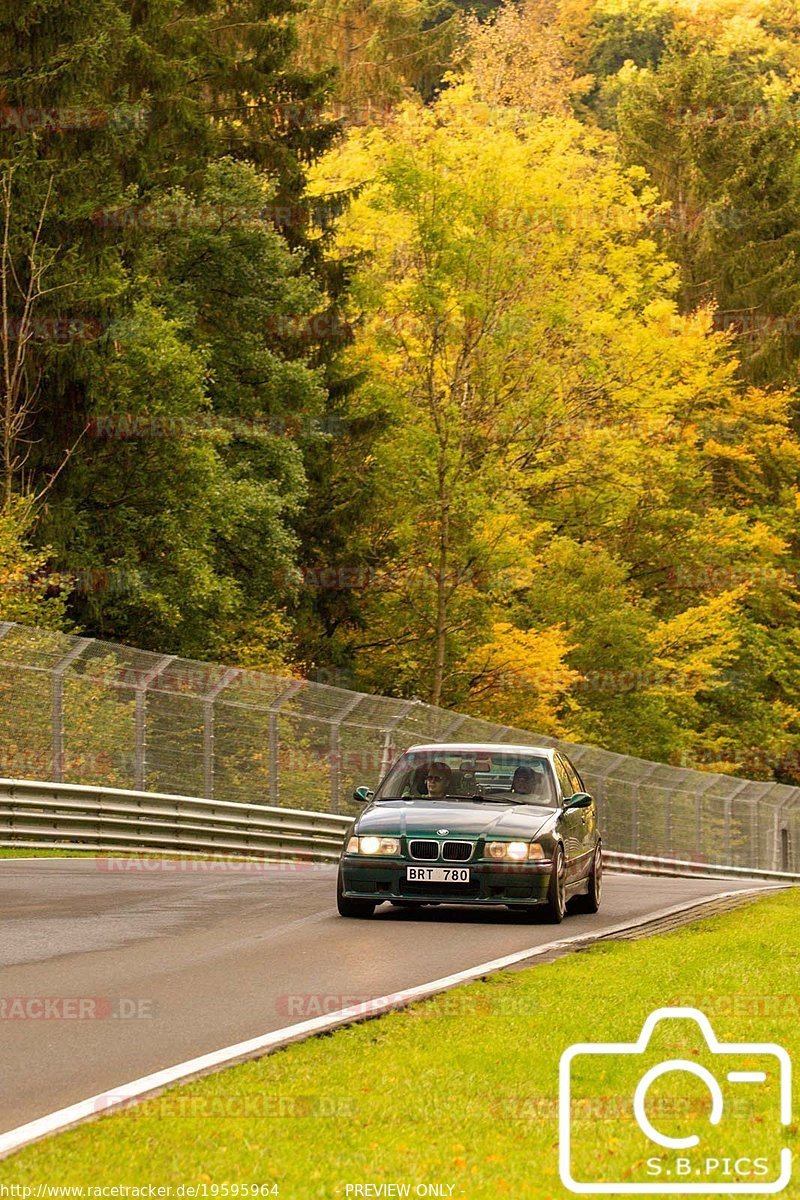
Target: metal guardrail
column 76, row 817
column 79, row 817
column 633, row 864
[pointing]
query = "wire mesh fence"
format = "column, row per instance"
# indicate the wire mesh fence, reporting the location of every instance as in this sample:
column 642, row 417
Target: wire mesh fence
column 79, row 710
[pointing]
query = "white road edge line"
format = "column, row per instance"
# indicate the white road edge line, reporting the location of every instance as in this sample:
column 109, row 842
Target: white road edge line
column 139, row 1089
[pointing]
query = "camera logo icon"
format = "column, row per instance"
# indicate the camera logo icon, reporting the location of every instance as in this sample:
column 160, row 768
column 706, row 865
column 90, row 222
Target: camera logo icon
column 704, row 1121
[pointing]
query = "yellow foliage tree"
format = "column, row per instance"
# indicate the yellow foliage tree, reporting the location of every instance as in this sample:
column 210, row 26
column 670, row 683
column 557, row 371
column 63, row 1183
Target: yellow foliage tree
column 521, row 678
column 518, row 57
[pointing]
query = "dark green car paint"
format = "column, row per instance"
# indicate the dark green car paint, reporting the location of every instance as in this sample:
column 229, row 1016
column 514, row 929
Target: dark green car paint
column 523, row 885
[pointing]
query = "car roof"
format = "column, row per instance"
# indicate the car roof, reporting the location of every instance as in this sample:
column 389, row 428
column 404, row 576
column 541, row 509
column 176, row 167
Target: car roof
column 482, row 748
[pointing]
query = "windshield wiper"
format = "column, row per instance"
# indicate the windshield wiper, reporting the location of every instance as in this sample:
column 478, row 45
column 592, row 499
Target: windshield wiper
column 503, row 798
column 473, row 796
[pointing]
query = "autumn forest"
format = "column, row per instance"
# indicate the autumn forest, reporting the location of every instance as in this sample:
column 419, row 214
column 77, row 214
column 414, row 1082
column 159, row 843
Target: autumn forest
column 424, row 348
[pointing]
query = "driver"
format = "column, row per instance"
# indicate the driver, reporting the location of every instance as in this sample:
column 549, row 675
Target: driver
column 438, row 780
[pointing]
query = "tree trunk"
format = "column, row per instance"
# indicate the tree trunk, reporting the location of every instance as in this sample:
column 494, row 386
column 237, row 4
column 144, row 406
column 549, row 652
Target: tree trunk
column 440, row 631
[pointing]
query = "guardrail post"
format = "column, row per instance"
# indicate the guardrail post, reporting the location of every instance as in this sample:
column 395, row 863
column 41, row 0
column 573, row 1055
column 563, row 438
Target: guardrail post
column 140, row 767
column 74, row 652
column 635, row 820
column 388, row 739
column 728, row 826
column 208, row 728
column 274, row 740
column 635, row 840
column 208, row 749
column 336, row 760
column 727, row 830
column 597, row 789
column 698, row 817
column 782, row 851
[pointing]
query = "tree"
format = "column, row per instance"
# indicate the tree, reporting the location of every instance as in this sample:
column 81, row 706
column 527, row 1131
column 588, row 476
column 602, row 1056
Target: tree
column 554, row 479
column 18, row 387
column 518, row 56
column 521, row 678
column 714, row 123
column 381, row 49
column 444, row 307
column 29, row 590
column 191, row 372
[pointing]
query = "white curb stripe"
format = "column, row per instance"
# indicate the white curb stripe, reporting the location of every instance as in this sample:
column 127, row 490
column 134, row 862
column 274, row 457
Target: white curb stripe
column 121, row 1096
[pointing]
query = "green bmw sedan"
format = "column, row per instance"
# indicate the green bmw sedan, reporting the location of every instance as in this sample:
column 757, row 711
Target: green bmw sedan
column 474, row 824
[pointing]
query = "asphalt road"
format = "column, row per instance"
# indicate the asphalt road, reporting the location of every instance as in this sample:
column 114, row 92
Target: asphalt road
column 110, row 973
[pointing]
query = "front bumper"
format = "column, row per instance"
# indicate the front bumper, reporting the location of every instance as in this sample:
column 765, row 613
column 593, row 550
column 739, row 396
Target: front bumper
column 382, row 879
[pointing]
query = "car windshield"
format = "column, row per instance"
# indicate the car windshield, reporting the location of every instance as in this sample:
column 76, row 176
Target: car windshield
column 470, row 774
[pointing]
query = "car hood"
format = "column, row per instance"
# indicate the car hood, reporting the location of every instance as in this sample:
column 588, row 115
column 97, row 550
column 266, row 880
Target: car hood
column 461, row 818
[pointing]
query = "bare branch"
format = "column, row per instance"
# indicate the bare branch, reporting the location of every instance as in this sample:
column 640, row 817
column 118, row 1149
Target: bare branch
column 18, row 377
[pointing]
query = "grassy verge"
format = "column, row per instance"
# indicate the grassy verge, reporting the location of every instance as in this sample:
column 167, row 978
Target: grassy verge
column 64, row 852
column 50, row 852
column 462, row 1090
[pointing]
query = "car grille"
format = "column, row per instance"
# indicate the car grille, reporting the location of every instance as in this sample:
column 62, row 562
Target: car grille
column 428, row 851
column 457, row 851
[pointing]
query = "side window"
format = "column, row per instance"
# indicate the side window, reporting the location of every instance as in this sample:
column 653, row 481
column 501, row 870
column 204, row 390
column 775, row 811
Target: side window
column 575, row 780
column 567, row 789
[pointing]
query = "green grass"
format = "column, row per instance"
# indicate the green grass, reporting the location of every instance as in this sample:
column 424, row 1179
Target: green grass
column 62, row 852
column 462, row 1089
column 50, row 852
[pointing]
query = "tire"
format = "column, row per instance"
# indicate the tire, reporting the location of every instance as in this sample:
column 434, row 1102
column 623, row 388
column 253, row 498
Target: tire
column 590, row 903
column 352, row 908
column 556, row 905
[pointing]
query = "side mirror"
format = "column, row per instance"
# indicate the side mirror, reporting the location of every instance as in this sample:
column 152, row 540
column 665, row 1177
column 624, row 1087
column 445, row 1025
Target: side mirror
column 362, row 795
column 579, row 800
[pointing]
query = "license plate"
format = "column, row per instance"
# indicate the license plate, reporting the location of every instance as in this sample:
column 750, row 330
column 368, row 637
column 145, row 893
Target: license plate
column 437, row 874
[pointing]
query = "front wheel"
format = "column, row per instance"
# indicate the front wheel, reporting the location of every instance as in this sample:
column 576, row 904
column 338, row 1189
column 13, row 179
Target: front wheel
column 556, row 904
column 352, row 908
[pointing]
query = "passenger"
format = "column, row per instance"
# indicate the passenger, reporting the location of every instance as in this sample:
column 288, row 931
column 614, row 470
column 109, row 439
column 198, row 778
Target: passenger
column 525, row 782
column 438, row 780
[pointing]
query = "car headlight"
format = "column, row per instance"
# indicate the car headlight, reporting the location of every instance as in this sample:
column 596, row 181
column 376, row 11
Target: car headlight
column 516, row 851
column 373, row 845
